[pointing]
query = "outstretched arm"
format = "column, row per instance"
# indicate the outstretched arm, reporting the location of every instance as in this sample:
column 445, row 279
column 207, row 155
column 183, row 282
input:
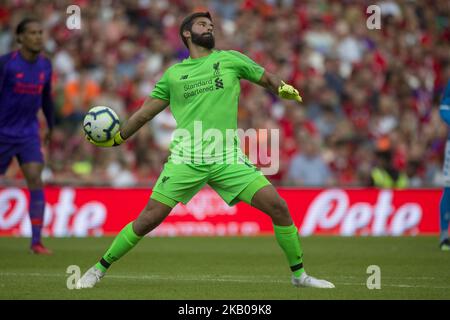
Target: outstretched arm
column 270, row 81
column 149, row 109
column 277, row 86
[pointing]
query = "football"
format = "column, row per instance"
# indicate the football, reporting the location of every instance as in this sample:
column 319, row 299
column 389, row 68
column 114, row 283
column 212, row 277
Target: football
column 101, row 123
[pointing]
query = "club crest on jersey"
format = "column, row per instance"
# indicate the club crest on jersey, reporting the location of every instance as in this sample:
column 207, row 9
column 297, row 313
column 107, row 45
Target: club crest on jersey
column 216, row 67
column 42, row 77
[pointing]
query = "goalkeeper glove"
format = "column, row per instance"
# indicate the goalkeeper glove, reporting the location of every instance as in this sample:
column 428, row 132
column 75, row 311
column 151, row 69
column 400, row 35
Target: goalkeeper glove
column 286, row 91
column 114, row 141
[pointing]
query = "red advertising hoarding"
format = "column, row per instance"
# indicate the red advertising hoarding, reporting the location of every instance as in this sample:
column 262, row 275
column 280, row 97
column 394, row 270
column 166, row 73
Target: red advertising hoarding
column 103, row 211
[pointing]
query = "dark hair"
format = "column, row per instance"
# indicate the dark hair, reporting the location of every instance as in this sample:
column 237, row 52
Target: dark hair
column 188, row 21
column 23, row 24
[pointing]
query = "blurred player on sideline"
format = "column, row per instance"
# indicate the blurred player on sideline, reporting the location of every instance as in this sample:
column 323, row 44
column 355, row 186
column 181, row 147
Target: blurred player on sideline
column 204, row 88
column 444, row 207
column 25, row 87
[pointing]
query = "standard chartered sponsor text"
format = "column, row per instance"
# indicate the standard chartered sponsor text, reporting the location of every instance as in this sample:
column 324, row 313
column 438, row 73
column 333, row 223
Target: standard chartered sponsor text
column 198, row 87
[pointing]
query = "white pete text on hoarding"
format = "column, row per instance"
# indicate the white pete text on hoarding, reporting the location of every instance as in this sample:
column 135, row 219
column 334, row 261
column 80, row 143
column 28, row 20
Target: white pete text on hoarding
column 7, row 196
column 87, row 219
column 330, row 209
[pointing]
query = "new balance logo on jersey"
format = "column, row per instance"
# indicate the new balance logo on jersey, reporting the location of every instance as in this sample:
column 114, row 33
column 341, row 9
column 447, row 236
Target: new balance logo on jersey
column 164, row 179
column 19, row 75
column 184, row 77
column 219, row 83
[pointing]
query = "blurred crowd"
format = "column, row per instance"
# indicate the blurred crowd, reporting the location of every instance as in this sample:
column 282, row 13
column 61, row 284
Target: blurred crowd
column 370, row 97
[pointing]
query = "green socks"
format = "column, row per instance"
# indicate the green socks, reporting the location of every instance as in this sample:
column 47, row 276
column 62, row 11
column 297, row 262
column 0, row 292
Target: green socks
column 124, row 242
column 287, row 238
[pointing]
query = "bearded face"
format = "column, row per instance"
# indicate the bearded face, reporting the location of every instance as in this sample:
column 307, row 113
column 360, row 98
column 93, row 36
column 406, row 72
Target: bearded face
column 205, row 39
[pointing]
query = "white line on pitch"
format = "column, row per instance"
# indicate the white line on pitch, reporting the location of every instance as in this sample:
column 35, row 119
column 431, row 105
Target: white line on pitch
column 226, row 278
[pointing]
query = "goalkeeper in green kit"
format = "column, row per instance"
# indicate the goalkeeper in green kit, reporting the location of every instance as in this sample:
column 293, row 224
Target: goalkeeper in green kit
column 203, row 91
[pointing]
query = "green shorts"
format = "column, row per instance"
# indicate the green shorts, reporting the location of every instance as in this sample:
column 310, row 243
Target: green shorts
column 233, row 182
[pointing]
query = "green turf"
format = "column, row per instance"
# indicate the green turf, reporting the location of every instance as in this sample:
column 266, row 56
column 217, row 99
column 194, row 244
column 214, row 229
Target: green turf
column 229, row 268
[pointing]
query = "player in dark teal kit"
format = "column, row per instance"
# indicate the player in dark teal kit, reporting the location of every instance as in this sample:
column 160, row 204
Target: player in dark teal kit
column 25, row 87
column 444, row 207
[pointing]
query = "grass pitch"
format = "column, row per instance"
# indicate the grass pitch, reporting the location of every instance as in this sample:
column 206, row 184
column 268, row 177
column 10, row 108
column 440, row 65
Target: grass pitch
column 229, row 268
